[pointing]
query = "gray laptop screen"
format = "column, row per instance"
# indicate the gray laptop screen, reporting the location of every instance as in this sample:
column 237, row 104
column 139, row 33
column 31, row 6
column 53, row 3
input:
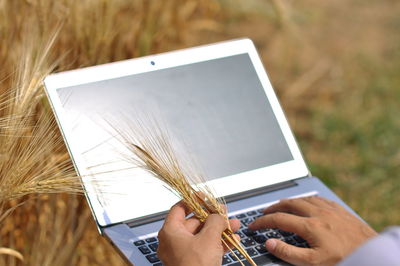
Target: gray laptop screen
column 218, row 108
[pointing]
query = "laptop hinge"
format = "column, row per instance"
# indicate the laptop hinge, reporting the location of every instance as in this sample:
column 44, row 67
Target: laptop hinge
column 261, row 190
column 147, row 219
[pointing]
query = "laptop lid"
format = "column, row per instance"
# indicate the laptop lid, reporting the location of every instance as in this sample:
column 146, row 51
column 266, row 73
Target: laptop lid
column 217, row 99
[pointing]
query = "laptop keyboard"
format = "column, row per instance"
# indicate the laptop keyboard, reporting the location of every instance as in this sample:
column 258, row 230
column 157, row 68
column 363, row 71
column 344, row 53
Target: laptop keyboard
column 148, row 247
column 253, row 242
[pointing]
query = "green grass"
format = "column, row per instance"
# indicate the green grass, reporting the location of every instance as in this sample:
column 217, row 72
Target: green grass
column 346, row 117
column 360, row 141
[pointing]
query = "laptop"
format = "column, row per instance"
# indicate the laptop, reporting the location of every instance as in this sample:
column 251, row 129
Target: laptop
column 220, row 103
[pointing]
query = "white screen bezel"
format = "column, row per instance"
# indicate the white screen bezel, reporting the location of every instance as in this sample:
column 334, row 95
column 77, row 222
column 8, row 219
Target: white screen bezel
column 254, row 179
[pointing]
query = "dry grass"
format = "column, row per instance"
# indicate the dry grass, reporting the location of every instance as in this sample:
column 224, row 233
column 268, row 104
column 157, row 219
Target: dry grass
column 36, row 38
column 46, row 230
column 32, row 152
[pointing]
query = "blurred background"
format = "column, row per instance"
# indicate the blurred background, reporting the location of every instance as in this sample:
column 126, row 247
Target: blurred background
column 334, row 64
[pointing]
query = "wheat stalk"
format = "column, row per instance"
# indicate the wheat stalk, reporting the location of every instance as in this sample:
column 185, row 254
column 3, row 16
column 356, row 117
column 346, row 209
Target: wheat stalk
column 93, row 32
column 11, row 252
column 151, row 149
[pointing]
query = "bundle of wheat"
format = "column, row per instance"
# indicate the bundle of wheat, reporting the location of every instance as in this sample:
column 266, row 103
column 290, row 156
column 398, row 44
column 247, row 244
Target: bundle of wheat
column 154, row 150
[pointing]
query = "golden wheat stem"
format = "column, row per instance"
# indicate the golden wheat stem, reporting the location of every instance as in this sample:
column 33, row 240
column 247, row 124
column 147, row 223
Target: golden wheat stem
column 230, row 249
column 11, row 252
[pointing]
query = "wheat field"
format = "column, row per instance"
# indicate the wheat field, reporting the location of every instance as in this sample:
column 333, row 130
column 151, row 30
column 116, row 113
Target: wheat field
column 334, row 65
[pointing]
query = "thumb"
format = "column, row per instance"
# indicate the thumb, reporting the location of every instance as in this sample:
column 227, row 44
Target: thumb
column 289, row 253
column 214, row 226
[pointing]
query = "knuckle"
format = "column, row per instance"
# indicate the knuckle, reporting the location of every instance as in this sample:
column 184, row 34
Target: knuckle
column 288, row 202
column 285, row 201
column 217, row 218
column 278, row 216
column 275, row 218
column 310, row 226
column 214, row 216
column 327, row 212
column 319, row 223
column 315, row 222
column 165, row 233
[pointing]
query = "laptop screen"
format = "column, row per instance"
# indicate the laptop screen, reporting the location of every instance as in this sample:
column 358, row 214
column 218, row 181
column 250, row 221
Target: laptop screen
column 218, row 109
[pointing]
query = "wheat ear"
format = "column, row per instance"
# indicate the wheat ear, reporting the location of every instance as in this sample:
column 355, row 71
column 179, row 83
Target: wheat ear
column 151, row 149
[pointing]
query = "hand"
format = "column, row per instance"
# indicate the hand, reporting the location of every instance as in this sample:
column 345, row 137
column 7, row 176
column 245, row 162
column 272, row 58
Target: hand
column 187, row 242
column 330, row 230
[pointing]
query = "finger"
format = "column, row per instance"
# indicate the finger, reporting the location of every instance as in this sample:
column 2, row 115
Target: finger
column 326, row 202
column 177, row 213
column 234, row 224
column 213, row 227
column 289, row 253
column 296, row 206
column 193, row 225
column 285, row 221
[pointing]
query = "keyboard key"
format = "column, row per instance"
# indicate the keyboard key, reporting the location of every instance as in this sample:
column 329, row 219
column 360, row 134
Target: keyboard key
column 240, row 255
column 260, row 260
column 290, row 240
column 261, row 249
column 248, row 242
column 153, row 246
column 249, row 232
column 246, row 221
column 300, row 245
column 273, row 258
column 232, row 257
column 284, row 233
column 260, row 239
column 151, row 239
column 226, row 260
column 303, row 245
column 239, row 264
column 241, row 216
column 251, row 213
column 152, row 258
column 139, row 243
column 252, row 252
column 273, row 234
column 158, row 264
column 260, row 211
column 240, row 234
column 144, row 250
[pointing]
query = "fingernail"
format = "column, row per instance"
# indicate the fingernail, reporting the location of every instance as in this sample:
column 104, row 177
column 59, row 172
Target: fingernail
column 271, row 244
